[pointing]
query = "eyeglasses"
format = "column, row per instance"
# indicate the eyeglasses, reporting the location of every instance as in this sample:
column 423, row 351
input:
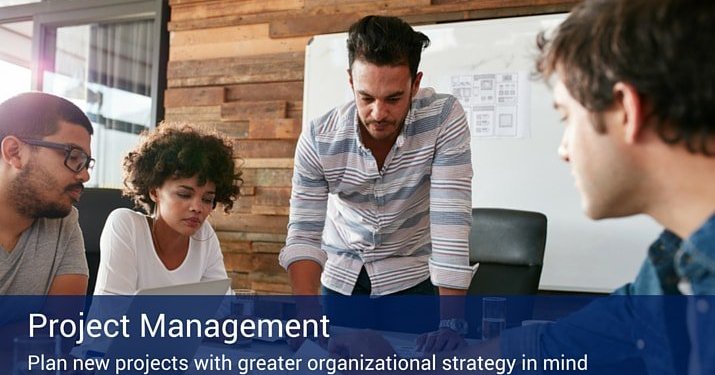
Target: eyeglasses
column 76, row 159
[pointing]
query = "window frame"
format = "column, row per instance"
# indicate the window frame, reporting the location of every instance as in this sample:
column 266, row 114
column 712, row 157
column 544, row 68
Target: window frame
column 49, row 15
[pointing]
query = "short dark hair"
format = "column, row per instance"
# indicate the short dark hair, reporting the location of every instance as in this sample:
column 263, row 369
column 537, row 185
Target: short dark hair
column 382, row 40
column 37, row 115
column 174, row 150
column 664, row 48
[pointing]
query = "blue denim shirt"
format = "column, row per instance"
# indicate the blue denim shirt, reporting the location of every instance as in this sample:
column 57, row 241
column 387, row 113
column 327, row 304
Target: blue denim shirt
column 632, row 324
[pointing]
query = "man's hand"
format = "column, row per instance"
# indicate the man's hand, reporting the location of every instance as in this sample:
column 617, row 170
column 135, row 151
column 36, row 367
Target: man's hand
column 442, row 340
column 445, row 339
column 305, row 281
column 305, row 277
column 352, row 345
column 307, row 307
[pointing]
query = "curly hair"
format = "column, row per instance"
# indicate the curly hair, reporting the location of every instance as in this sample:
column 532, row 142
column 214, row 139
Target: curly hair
column 181, row 151
column 664, row 48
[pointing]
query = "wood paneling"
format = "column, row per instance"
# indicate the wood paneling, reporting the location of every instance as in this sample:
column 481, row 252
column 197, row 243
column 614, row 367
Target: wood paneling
column 236, row 246
column 235, row 129
column 342, row 6
column 267, row 247
column 193, row 113
column 274, row 129
column 272, row 177
column 229, row 20
column 240, row 33
column 218, row 49
column 250, row 223
column 257, row 149
column 217, row 72
column 194, row 97
column 268, row 163
column 219, row 8
column 288, row 91
column 243, row 110
column 251, row 236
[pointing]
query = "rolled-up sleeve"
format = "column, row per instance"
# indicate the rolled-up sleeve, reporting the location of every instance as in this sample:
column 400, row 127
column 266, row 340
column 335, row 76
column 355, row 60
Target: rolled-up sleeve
column 451, row 203
column 308, row 205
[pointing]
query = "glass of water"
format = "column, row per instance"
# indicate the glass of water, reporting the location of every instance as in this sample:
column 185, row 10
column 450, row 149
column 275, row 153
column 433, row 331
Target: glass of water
column 244, row 307
column 493, row 317
column 244, row 303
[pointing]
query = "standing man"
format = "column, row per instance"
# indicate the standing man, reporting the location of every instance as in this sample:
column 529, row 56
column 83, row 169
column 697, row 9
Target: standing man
column 381, row 200
column 45, row 144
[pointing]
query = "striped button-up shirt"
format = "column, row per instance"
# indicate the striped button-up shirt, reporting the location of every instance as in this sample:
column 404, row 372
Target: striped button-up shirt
column 404, row 223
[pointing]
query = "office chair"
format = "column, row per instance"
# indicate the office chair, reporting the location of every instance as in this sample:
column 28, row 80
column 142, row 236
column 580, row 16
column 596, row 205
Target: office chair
column 94, row 208
column 509, row 246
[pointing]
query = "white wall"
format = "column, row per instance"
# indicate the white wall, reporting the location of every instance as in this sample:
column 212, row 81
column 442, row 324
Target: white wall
column 521, row 173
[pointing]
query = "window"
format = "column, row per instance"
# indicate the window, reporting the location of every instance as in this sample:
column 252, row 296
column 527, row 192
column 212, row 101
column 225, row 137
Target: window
column 15, row 58
column 106, row 70
column 4, row 3
column 108, row 57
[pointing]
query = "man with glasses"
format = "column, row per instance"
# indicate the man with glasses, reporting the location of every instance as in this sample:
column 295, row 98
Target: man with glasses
column 45, row 160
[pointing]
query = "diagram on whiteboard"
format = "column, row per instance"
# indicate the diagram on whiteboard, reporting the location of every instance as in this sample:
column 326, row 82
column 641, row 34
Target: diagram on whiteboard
column 494, row 103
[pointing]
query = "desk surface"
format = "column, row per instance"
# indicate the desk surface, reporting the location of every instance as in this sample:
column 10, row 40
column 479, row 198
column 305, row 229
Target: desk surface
column 278, row 351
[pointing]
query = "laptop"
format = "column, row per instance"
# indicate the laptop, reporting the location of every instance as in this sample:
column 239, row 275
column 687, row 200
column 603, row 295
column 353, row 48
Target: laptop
column 199, row 300
column 201, row 288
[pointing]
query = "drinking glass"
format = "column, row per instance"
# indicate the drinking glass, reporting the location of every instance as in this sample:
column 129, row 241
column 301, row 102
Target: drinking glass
column 244, row 307
column 493, row 317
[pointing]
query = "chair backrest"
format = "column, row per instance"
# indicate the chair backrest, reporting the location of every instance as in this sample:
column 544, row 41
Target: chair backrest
column 94, row 207
column 509, row 245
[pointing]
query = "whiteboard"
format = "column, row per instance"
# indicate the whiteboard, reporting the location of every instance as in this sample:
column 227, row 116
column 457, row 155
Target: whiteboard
column 519, row 172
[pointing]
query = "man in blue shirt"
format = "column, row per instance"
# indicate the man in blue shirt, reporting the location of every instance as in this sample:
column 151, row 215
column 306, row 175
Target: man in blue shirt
column 634, row 82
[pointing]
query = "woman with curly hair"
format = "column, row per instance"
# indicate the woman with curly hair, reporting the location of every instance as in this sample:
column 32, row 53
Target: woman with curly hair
column 178, row 174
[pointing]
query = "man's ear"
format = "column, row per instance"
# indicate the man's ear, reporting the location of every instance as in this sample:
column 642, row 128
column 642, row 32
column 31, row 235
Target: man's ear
column 11, row 151
column 416, row 84
column 350, row 79
column 630, row 102
column 152, row 195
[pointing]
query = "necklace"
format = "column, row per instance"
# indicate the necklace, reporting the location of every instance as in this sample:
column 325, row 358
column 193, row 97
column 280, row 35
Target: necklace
column 155, row 238
column 156, row 242
column 170, row 260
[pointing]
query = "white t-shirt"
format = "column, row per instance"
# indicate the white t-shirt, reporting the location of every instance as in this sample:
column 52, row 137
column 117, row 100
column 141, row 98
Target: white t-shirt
column 129, row 261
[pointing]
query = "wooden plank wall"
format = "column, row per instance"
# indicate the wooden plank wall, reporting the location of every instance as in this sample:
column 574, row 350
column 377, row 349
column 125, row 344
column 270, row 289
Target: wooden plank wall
column 237, row 66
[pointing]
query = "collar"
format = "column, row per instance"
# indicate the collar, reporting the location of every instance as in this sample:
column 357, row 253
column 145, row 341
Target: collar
column 704, row 238
column 695, row 260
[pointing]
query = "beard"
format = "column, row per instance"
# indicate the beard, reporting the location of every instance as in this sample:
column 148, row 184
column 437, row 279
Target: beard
column 30, row 188
column 396, row 127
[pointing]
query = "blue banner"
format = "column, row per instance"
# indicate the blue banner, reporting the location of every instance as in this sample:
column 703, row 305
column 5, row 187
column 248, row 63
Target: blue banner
column 335, row 334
